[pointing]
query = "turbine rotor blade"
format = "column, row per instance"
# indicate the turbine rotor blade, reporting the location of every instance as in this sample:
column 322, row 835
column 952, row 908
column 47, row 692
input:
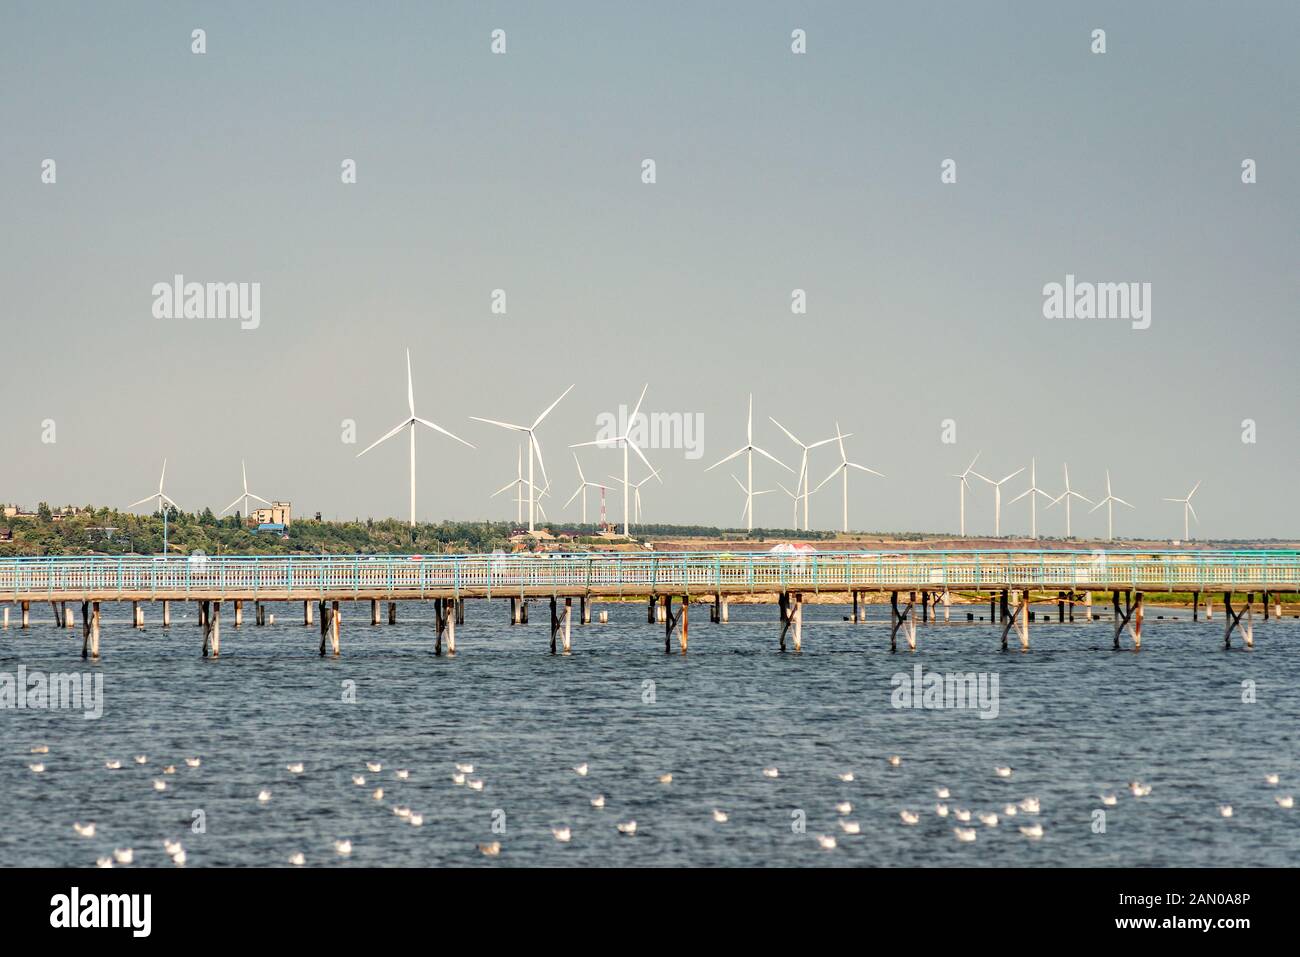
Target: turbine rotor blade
column 769, row 455
column 538, row 420
column 726, row 460
column 439, row 428
column 385, row 437
column 504, row 425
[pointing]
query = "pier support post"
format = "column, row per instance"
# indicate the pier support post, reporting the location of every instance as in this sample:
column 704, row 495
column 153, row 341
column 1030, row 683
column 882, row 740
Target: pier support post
column 1087, row 606
column 324, row 625
column 306, row 614
column 6, row 618
column 1124, row 618
column 334, row 628
column 925, row 607
column 993, row 606
column 568, row 618
column 902, row 619
column 460, row 610
column 523, row 611
column 1135, row 624
column 374, row 612
column 85, row 628
column 1266, row 606
column 555, row 624
column 1060, row 607
column 449, row 615
column 1003, row 611
column 726, row 608
column 1209, row 609
column 651, row 616
column 439, row 625
column 1196, row 606
column 514, row 611
column 212, row 640
column 137, row 615
column 675, row 622
column 584, row 610
column 260, row 614
column 1234, row 621
column 58, row 615
column 392, row 612
column 715, row 610
column 783, row 609
column 947, row 606
column 798, row 622
column 857, row 607
column 27, row 615
column 167, row 613
column 1016, row 616
column 239, row 613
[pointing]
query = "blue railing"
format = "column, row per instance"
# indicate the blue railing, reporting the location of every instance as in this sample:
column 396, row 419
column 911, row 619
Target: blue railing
column 632, row 572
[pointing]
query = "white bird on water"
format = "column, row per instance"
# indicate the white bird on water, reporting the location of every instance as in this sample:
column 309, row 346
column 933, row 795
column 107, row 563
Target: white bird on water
column 771, row 773
column 85, row 830
column 403, row 774
column 159, row 784
column 846, row 777
column 1002, row 771
column 1009, row 811
column 415, row 820
column 580, row 769
column 141, row 759
column 826, row 842
column 374, row 767
column 1032, row 831
column 965, row 834
column 941, row 810
column 1285, row 800
column 1030, row 805
column 403, row 812
column 1225, row 810
column 474, row 784
column 942, row 793
column 295, row 768
column 1271, row 779
column 464, row 768
column 989, row 819
column 491, row 849
column 297, row 859
column 171, row 847
column 843, row 808
column 37, row 768
column 909, row 817
column 665, row 779
column 103, row 862
column 123, row 855
column 894, row 760
column 343, row 847
column 1138, row 789
column 113, row 765
column 170, row 769
column 263, row 796
column 719, row 816
column 377, row 794
column 359, row 780
column 193, row 762
column 598, row 801
column 850, row 827
column 961, row 814
column 1109, row 799
column 627, row 827
column 562, row 834
column 179, row 858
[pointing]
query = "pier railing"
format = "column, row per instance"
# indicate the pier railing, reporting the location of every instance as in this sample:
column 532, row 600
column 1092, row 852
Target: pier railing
column 405, row 576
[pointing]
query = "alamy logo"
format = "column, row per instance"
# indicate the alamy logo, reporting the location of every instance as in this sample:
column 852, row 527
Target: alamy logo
column 179, row 299
column 656, row 430
column 103, row 910
column 36, row 690
column 938, row 691
column 1100, row 300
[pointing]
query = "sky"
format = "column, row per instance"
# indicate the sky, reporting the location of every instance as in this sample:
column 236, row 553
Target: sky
column 775, row 171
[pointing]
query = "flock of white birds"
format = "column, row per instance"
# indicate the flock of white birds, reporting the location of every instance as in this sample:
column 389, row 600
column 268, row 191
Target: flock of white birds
column 463, row 775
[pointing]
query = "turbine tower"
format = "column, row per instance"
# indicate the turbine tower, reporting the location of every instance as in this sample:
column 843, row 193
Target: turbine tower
column 843, row 470
column 159, row 497
column 1187, row 507
column 748, row 450
column 410, row 423
column 1109, row 501
column 636, row 490
column 1065, row 496
column 1033, row 492
column 533, row 446
column 518, row 485
column 583, row 485
column 997, row 498
column 801, row 486
column 963, row 485
column 625, row 442
column 245, row 496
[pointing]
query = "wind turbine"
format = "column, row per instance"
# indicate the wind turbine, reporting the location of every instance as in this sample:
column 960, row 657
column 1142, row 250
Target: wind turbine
column 625, row 442
column 517, row 484
column 997, row 498
column 1187, row 507
column 410, row 423
column 803, row 471
column 583, row 485
column 843, row 469
column 159, row 497
column 794, row 497
column 970, row 470
column 749, row 499
column 1033, row 491
column 636, row 490
column 533, row 446
column 246, row 496
column 1109, row 501
column 748, row 450
column 1068, row 494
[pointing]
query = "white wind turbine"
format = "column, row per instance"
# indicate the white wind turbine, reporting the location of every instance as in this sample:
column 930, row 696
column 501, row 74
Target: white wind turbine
column 583, row 485
column 963, row 485
column 518, row 485
column 158, row 498
column 997, row 498
column 1065, row 496
column 843, row 470
column 533, row 447
column 1033, row 492
column 245, row 496
column 748, row 450
column 1187, row 507
column 1109, row 501
column 801, row 487
column 625, row 442
column 410, row 423
column 794, row 499
column 749, row 499
column 636, row 490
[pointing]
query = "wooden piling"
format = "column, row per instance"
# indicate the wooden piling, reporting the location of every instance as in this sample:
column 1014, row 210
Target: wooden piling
column 568, row 615
column 306, row 613
column 334, row 628
column 584, row 610
column 798, row 622
column 449, row 616
column 239, row 613
column 324, row 625
column 555, row 623
column 167, row 613
column 392, row 612
column 27, row 614
column 374, row 612
column 260, row 610
column 214, row 628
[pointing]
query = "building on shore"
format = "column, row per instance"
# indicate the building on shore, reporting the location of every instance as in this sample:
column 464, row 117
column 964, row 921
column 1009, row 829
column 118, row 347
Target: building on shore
column 279, row 513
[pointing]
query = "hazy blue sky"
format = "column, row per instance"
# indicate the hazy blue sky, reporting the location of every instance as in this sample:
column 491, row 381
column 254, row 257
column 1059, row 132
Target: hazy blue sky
column 775, row 171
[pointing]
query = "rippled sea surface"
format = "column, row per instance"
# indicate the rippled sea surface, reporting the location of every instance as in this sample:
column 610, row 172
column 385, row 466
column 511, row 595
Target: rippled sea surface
column 1074, row 719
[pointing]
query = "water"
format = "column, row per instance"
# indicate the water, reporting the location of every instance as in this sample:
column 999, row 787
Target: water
column 1075, row 718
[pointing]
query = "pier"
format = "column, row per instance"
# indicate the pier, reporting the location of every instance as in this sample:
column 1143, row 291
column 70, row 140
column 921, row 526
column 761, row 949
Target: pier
column 919, row 584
